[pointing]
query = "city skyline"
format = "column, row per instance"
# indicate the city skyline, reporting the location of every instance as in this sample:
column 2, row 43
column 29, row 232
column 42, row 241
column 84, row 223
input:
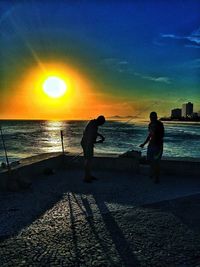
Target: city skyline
column 187, row 111
column 116, row 58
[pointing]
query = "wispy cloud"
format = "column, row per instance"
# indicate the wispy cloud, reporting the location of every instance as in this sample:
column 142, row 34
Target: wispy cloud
column 195, row 36
column 190, row 41
column 193, row 64
column 123, row 62
column 109, row 60
column 173, row 36
column 114, row 61
column 119, row 65
column 123, row 66
column 192, row 46
column 160, row 79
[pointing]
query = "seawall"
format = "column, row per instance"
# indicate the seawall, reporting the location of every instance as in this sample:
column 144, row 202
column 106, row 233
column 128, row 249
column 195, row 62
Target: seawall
column 33, row 167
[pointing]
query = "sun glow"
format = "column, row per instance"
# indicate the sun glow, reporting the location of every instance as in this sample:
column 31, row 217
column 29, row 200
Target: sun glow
column 56, row 91
column 54, row 87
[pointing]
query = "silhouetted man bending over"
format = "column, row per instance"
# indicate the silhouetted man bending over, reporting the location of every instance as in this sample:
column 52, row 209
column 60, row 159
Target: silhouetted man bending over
column 155, row 146
column 89, row 138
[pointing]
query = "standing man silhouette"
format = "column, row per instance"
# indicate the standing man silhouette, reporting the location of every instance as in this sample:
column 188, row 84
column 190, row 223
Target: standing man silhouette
column 155, row 146
column 89, row 138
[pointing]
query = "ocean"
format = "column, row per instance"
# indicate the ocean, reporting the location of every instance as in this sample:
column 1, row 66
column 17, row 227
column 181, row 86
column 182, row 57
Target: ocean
column 27, row 138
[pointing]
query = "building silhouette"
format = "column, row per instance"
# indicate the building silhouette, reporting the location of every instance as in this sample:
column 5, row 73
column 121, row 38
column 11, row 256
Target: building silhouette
column 176, row 113
column 195, row 115
column 184, row 114
column 187, row 110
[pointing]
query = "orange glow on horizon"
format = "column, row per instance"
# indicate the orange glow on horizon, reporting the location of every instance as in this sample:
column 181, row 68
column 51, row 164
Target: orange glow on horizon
column 82, row 99
column 29, row 101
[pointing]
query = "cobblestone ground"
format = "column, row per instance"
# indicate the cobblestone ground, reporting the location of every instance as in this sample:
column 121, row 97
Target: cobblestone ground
column 64, row 222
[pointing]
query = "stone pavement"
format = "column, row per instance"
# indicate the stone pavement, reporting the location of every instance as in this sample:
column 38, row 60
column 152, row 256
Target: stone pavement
column 120, row 220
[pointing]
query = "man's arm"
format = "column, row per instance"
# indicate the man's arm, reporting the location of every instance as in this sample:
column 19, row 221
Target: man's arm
column 102, row 138
column 146, row 141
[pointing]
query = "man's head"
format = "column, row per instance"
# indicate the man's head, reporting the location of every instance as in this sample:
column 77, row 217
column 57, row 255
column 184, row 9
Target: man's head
column 153, row 116
column 100, row 120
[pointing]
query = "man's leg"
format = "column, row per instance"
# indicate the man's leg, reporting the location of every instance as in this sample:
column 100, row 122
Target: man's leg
column 158, row 157
column 157, row 172
column 88, row 170
column 150, row 159
column 151, row 170
column 88, row 155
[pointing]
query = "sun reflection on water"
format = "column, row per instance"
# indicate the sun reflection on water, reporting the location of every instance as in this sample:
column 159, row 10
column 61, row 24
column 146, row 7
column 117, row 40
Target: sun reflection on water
column 51, row 141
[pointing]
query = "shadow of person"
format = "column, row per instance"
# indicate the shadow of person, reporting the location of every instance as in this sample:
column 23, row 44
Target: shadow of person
column 122, row 246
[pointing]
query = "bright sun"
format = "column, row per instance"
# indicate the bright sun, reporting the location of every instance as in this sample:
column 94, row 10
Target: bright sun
column 54, row 87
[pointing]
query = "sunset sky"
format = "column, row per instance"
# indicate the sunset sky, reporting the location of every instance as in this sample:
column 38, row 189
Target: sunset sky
column 115, row 57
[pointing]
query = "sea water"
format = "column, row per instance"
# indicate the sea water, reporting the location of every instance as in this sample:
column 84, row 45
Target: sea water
column 27, row 138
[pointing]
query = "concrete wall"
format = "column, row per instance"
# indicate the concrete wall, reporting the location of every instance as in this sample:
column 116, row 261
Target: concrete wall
column 106, row 163
column 33, row 169
column 176, row 167
column 29, row 171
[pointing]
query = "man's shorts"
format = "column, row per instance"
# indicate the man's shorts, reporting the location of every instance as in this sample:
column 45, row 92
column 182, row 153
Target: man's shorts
column 154, row 153
column 88, row 151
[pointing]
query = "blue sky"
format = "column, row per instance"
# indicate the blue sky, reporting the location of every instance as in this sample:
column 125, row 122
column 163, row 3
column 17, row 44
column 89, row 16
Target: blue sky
column 146, row 51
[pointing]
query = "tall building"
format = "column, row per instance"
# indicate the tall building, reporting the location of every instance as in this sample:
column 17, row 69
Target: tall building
column 176, row 113
column 187, row 110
